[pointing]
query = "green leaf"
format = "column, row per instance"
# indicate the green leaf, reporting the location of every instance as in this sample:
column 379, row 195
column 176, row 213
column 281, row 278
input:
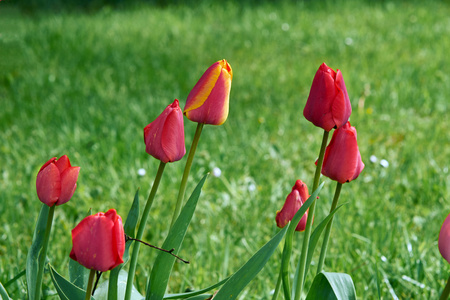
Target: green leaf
column 287, row 250
column 35, row 250
column 65, row 289
column 3, row 293
column 129, row 228
column 78, row 274
column 250, row 269
column 200, row 297
column 195, row 293
column 162, row 268
column 331, row 286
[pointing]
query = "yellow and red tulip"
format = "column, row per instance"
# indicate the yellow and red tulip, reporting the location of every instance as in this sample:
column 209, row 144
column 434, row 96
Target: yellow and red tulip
column 208, row 101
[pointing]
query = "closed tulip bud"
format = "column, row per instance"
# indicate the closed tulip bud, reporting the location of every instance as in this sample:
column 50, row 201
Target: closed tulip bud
column 99, row 241
column 342, row 161
column 328, row 105
column 294, row 201
column 444, row 239
column 208, row 101
column 56, row 181
column 164, row 137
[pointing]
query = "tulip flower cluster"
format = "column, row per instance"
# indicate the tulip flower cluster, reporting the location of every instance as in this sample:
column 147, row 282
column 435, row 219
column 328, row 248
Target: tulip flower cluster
column 101, row 242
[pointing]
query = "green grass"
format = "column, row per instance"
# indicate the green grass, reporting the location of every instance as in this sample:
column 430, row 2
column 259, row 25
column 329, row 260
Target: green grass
column 85, row 85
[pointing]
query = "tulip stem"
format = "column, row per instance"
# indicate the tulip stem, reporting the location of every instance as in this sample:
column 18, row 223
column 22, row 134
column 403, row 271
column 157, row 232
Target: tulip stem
column 43, row 254
column 187, row 169
column 90, row 284
column 326, row 237
column 278, row 286
column 140, row 232
column 446, row 291
column 306, row 238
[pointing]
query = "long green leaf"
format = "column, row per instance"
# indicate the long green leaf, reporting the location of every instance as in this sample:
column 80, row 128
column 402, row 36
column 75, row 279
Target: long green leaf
column 331, row 286
column 287, row 251
column 35, row 250
column 65, row 289
column 232, row 288
column 195, row 293
column 129, row 228
column 162, row 268
column 3, row 293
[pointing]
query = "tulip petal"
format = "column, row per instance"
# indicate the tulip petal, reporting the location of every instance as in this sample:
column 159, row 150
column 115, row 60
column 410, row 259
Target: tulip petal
column 341, row 108
column 444, row 239
column 63, row 163
column 172, row 139
column 68, row 184
column 203, row 87
column 152, row 137
column 48, row 184
column 118, row 236
column 51, row 160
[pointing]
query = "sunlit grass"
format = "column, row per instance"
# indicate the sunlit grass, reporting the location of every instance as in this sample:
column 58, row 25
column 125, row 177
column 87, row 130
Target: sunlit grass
column 85, row 85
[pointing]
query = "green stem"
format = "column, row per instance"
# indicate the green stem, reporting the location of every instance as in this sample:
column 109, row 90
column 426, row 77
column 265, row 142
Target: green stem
column 287, row 251
column 307, row 236
column 277, row 287
column 43, row 254
column 187, row 169
column 323, row 251
column 90, row 284
column 446, row 291
column 140, row 232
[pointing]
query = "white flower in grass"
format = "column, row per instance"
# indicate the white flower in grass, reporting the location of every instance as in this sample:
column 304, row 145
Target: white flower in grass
column 141, row 172
column 216, row 172
column 373, row 159
column 251, row 187
column 384, row 163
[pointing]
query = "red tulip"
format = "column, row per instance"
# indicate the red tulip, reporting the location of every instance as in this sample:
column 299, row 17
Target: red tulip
column 444, row 239
column 328, row 105
column 99, row 241
column 164, row 137
column 208, row 101
column 342, row 161
column 56, row 181
column 294, row 201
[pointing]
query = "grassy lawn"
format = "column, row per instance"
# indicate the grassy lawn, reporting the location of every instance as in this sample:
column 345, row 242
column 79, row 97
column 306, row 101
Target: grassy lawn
column 86, row 84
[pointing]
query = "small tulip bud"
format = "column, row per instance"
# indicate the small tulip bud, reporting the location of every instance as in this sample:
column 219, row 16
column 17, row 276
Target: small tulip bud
column 164, row 137
column 294, row 201
column 208, row 101
column 99, row 241
column 56, row 181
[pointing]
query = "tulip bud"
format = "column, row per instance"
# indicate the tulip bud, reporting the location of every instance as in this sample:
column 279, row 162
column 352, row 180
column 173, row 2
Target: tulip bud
column 328, row 105
column 56, row 181
column 444, row 239
column 342, row 161
column 294, row 201
column 99, row 241
column 164, row 137
column 208, row 101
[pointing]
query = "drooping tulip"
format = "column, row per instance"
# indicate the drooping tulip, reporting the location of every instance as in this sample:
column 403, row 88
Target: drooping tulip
column 99, row 241
column 208, row 101
column 342, row 161
column 56, row 181
column 294, row 201
column 328, row 105
column 164, row 137
column 444, row 239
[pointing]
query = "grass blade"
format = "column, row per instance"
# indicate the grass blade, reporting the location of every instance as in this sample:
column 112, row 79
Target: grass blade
column 162, row 268
column 3, row 293
column 195, row 293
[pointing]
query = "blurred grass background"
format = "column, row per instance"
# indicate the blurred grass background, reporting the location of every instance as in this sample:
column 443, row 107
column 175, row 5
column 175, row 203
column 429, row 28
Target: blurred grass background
column 86, row 82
